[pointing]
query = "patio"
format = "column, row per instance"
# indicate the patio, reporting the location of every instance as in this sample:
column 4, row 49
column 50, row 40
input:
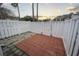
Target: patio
column 42, row 45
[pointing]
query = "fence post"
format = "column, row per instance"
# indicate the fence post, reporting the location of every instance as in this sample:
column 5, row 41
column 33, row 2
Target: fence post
column 1, row 52
column 50, row 28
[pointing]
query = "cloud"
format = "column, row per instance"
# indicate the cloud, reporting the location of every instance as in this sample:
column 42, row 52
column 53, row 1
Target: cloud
column 71, row 8
column 74, row 8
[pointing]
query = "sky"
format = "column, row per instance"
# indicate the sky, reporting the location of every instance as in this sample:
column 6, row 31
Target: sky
column 44, row 9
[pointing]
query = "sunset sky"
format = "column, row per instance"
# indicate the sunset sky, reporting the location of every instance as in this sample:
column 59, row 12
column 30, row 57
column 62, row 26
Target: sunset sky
column 45, row 9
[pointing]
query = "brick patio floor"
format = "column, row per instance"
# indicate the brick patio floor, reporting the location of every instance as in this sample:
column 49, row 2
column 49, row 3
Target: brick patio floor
column 42, row 45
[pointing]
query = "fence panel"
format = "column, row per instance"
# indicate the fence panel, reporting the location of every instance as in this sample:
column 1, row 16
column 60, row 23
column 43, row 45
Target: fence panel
column 10, row 28
column 65, row 29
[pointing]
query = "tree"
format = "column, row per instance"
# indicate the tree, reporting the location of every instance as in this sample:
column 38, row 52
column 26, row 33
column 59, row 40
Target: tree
column 4, row 12
column 16, row 6
column 1, row 4
column 37, row 11
column 70, row 15
column 34, row 19
column 33, row 11
column 27, row 18
column 46, row 20
column 77, row 13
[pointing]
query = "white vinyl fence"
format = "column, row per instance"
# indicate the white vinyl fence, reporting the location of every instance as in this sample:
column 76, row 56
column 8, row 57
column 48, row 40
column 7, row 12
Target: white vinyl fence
column 10, row 28
column 68, row 30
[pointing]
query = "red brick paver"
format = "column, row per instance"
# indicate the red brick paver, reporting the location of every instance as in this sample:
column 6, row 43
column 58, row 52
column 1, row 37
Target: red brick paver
column 42, row 45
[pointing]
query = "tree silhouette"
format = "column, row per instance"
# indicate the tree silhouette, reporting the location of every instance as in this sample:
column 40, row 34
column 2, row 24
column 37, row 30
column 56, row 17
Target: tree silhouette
column 16, row 6
column 4, row 12
column 27, row 18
